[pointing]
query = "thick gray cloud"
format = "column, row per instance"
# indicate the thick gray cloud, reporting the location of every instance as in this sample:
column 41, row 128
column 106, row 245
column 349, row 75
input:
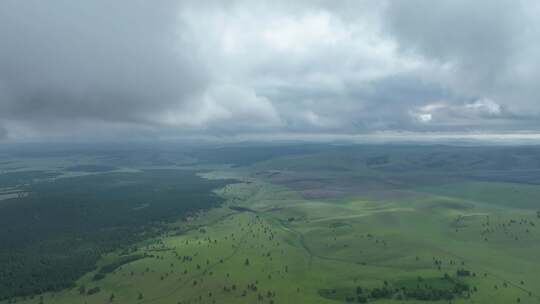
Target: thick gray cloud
column 490, row 51
column 3, row 133
column 485, row 44
column 104, row 60
column 92, row 69
column 477, row 36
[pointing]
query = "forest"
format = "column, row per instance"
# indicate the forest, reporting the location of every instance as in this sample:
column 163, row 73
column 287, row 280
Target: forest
column 59, row 230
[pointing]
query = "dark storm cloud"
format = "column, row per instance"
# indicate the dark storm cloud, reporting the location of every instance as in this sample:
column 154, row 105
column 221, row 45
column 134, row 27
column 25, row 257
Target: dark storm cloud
column 3, row 133
column 171, row 68
column 490, row 46
column 106, row 60
column 477, row 35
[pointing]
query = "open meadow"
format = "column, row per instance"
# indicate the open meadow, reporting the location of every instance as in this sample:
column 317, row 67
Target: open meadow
column 330, row 227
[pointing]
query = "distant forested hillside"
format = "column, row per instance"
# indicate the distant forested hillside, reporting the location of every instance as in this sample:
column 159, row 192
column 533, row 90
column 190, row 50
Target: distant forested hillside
column 57, row 232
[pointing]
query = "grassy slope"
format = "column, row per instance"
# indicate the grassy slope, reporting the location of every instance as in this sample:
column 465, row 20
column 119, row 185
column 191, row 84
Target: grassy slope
column 339, row 243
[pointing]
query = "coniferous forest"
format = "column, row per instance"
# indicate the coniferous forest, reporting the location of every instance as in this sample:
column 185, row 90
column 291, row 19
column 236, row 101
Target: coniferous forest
column 59, row 229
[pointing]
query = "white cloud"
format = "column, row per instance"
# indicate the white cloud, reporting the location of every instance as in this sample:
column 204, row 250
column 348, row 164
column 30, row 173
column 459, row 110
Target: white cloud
column 431, row 107
column 228, row 106
column 301, row 34
column 421, row 117
column 484, row 106
column 424, row 114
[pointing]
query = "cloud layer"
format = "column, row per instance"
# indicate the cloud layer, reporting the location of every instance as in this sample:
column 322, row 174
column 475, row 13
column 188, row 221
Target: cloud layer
column 102, row 69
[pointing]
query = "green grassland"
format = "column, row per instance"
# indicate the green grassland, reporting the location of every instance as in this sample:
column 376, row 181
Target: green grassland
column 298, row 248
column 312, row 229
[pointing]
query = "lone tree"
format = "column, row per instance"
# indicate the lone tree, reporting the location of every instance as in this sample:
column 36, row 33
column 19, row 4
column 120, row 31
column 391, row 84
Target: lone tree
column 246, row 262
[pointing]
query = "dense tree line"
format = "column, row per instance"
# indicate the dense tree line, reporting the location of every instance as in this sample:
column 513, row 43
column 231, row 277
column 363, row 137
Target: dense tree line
column 116, row 264
column 58, row 232
column 423, row 291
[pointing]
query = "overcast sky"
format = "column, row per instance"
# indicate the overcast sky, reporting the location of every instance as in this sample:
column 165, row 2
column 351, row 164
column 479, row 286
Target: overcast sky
column 134, row 69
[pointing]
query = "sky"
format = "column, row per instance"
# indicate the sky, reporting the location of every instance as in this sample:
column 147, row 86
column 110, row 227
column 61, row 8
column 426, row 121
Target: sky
column 133, row 69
